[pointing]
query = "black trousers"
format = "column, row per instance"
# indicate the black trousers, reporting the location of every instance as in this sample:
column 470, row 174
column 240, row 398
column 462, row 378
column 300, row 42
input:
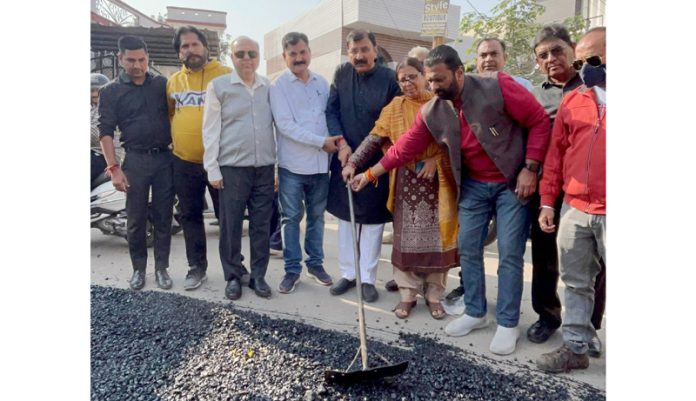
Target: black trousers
column 252, row 188
column 545, row 273
column 98, row 164
column 215, row 197
column 147, row 172
column 190, row 182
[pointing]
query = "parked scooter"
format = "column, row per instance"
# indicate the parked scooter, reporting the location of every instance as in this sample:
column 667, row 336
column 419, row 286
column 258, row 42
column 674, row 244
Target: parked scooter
column 108, row 210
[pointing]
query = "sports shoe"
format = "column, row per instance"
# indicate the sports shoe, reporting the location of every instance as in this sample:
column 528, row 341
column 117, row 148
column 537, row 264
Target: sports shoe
column 194, row 278
column 562, row 360
column 505, row 340
column 319, row 275
column 288, row 284
column 463, row 325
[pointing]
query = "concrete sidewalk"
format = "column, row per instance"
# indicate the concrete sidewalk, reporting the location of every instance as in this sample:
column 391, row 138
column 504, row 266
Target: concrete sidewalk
column 312, row 303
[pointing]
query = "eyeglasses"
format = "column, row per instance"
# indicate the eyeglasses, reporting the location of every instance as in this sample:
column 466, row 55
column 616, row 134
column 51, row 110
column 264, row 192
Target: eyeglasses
column 408, row 78
column 252, row 54
column 556, row 51
column 594, row 61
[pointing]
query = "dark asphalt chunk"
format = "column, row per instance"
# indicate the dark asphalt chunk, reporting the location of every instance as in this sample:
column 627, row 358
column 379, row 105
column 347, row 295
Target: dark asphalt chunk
column 161, row 346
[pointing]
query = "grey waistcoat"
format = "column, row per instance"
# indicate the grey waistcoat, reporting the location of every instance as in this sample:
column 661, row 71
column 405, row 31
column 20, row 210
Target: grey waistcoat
column 484, row 110
column 247, row 138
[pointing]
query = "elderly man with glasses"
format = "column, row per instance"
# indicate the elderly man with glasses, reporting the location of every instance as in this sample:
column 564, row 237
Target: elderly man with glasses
column 239, row 158
column 576, row 164
column 554, row 52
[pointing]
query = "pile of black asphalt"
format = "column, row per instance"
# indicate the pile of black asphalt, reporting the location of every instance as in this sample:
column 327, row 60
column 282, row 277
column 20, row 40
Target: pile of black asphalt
column 153, row 345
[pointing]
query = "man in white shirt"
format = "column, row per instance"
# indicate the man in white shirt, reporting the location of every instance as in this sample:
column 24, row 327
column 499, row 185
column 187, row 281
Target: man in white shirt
column 298, row 101
column 239, row 158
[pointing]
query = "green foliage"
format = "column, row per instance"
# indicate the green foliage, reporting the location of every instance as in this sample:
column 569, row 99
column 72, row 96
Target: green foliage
column 225, row 44
column 514, row 22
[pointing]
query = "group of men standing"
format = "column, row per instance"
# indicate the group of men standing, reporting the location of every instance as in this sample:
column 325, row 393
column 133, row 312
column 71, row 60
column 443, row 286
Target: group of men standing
column 212, row 126
column 568, row 210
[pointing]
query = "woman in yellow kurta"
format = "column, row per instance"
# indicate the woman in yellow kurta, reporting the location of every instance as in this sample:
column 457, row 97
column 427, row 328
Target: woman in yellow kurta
column 422, row 199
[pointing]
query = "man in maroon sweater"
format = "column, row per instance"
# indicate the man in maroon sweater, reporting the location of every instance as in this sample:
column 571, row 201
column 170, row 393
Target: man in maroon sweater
column 496, row 134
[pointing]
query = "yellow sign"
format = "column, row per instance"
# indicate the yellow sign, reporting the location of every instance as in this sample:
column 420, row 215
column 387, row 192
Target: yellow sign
column 435, row 18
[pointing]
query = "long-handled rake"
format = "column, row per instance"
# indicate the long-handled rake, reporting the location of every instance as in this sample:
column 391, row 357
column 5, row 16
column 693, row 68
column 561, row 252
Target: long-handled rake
column 366, row 374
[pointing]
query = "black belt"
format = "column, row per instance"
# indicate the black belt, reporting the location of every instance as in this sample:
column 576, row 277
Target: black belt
column 147, row 151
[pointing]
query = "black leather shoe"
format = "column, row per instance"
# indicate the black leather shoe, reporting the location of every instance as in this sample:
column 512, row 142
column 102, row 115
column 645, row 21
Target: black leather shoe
column 455, row 293
column 137, row 281
column 391, row 286
column 341, row 286
column 540, row 331
column 260, row 287
column 234, row 289
column 369, row 292
column 163, row 280
column 595, row 347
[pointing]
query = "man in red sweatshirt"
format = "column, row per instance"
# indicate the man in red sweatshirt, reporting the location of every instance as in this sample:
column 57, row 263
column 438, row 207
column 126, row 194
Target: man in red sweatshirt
column 576, row 163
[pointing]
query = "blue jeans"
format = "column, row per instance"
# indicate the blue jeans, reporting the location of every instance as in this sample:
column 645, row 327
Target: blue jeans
column 297, row 193
column 477, row 203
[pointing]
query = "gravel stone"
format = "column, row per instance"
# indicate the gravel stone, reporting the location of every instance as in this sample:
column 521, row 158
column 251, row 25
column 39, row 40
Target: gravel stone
column 150, row 345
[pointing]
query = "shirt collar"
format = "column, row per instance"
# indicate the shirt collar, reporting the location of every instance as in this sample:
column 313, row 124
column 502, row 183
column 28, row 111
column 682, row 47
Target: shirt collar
column 125, row 79
column 293, row 77
column 572, row 84
column 259, row 80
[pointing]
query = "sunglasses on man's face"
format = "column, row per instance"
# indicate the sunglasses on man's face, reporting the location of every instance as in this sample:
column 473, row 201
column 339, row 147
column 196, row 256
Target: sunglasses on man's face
column 594, row 61
column 252, row 54
column 556, row 51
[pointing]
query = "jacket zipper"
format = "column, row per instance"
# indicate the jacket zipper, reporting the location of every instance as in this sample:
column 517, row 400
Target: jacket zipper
column 601, row 109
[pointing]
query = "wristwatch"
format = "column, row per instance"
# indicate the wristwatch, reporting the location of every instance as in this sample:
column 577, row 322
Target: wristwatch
column 533, row 167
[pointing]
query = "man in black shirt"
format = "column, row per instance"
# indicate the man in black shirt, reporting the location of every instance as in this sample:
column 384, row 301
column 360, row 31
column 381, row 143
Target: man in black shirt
column 359, row 91
column 136, row 103
column 554, row 53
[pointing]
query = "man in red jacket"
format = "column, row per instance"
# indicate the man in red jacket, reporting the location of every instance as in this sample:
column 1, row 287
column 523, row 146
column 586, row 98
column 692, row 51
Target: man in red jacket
column 576, row 163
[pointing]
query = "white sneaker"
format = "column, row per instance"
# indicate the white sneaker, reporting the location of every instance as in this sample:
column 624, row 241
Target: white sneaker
column 461, row 326
column 505, row 340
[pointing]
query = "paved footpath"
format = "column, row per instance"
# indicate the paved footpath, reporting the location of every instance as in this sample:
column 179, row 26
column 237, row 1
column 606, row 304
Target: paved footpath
column 312, row 303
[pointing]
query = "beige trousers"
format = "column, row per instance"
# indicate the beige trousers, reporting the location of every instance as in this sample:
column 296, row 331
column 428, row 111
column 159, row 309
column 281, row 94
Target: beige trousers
column 431, row 286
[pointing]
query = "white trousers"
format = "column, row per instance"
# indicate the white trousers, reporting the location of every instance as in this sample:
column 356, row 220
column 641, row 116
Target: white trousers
column 370, row 248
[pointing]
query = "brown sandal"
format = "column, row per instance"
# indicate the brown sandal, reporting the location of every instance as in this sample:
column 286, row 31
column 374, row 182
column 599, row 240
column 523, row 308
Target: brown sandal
column 436, row 310
column 404, row 306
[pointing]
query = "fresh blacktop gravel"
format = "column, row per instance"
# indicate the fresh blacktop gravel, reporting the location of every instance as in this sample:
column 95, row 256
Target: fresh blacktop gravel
column 159, row 346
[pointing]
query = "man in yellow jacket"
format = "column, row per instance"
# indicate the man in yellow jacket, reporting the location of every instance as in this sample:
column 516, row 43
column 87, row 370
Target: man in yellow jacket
column 186, row 94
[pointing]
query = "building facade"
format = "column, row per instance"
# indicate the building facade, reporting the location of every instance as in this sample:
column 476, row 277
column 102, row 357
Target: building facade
column 592, row 11
column 395, row 23
column 211, row 20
